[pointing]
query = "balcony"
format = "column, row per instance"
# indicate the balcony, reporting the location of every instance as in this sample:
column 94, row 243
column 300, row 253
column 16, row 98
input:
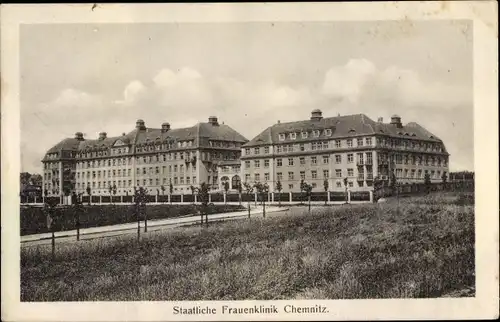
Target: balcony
column 361, row 177
column 360, row 162
column 369, row 162
column 369, row 176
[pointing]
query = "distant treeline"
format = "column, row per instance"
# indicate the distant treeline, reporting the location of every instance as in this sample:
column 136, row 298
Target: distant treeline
column 461, row 175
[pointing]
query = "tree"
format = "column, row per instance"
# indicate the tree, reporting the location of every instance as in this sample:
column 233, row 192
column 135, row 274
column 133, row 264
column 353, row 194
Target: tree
column 203, row 198
column 140, row 200
column 393, row 181
column 279, row 188
column 77, row 207
column 36, row 179
column 377, row 186
column 444, row 178
column 262, row 190
column 162, row 189
column 346, row 193
column 25, row 178
column 114, row 190
column 248, row 191
column 171, row 189
column 89, row 192
column 302, row 183
column 427, row 182
column 239, row 188
column 307, row 189
column 193, row 190
column 326, row 186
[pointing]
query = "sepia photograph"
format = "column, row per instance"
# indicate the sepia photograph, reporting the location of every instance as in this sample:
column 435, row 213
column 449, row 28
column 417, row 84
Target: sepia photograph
column 247, row 162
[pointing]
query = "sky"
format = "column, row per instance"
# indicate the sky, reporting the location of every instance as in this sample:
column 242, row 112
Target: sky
column 103, row 77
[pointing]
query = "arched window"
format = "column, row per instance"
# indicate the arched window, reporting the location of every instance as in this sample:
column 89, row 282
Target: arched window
column 235, row 182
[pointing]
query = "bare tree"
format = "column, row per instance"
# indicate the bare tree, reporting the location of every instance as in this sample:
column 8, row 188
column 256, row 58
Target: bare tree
column 279, row 188
column 262, row 191
column 248, row 191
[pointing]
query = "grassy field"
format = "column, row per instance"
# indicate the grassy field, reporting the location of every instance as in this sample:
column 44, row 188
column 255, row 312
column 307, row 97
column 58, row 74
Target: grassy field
column 422, row 248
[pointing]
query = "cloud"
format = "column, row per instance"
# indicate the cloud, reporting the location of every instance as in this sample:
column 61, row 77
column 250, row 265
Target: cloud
column 360, row 82
column 185, row 96
column 348, row 81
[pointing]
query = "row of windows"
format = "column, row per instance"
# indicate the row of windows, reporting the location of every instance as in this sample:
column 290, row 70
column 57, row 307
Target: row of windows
column 128, row 183
column 51, row 165
column 415, row 159
column 418, row 174
column 230, row 169
column 325, row 159
column 224, row 144
column 304, row 134
column 128, row 172
column 317, row 145
column 164, row 146
column 314, row 174
column 410, row 144
column 338, row 184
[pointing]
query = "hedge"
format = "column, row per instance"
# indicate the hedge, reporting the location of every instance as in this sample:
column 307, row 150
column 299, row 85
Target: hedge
column 33, row 219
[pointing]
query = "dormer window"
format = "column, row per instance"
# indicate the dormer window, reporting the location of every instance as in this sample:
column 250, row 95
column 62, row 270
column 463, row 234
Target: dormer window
column 328, row 132
column 316, row 133
column 282, row 137
column 304, row 135
column 293, row 136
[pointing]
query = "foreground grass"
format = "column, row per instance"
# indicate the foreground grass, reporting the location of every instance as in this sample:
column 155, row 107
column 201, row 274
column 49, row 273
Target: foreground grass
column 419, row 249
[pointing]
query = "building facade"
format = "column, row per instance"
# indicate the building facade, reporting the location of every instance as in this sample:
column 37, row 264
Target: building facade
column 158, row 159
column 352, row 147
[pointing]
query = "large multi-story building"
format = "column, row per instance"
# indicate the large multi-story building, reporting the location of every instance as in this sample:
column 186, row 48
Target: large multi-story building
column 154, row 158
column 351, row 147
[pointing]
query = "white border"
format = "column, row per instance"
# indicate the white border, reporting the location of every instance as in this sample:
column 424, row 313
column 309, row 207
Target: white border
column 483, row 13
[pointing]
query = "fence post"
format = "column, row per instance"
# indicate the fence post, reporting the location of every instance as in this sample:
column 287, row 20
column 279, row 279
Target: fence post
column 255, row 198
column 328, row 196
column 195, row 198
column 156, row 198
column 272, row 196
column 169, row 196
column 209, row 198
column 225, row 197
column 371, row 196
column 290, row 197
column 182, row 197
column 53, row 244
column 348, row 196
column 100, row 199
column 121, row 199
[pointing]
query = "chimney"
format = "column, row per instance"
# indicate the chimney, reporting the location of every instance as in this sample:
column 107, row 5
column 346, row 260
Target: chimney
column 140, row 125
column 165, row 127
column 396, row 121
column 380, row 120
column 213, row 120
column 102, row 136
column 279, row 121
column 316, row 115
column 79, row 136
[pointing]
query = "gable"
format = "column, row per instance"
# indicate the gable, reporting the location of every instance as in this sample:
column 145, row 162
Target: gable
column 119, row 143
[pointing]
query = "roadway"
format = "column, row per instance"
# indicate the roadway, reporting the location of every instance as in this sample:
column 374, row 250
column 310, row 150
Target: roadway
column 121, row 229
